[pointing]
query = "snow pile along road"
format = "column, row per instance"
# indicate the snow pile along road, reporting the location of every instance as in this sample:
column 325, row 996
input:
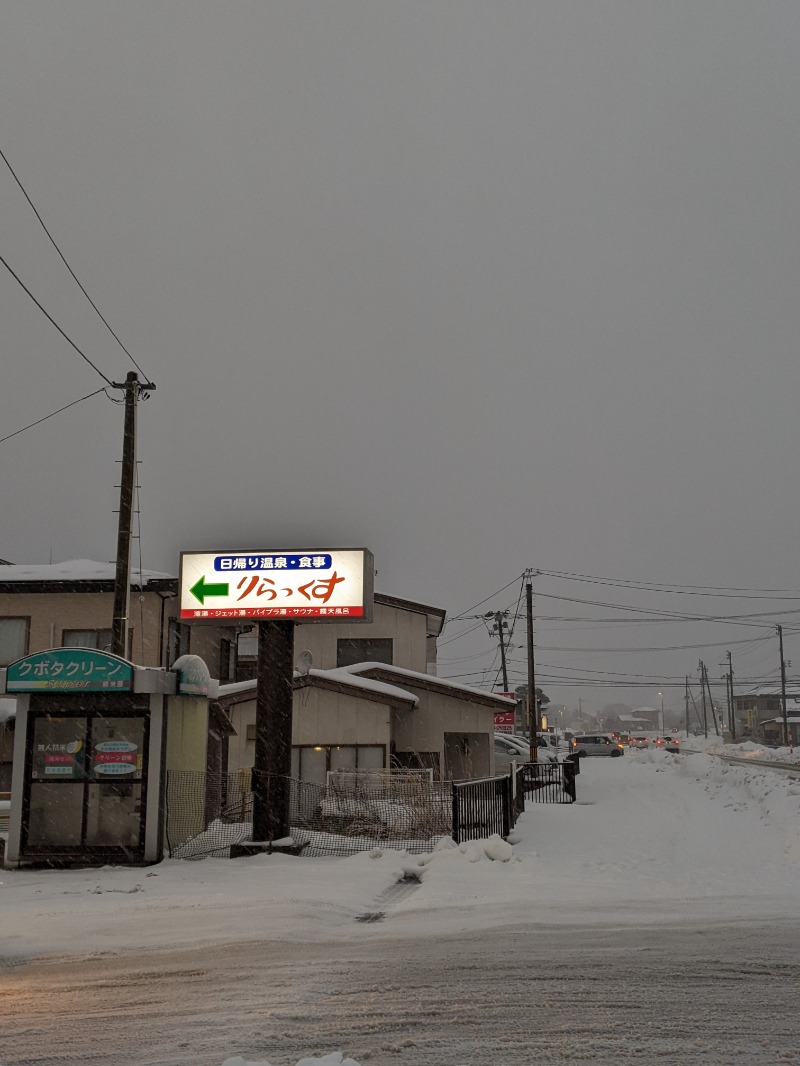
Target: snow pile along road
column 652, row 834
column 655, row 839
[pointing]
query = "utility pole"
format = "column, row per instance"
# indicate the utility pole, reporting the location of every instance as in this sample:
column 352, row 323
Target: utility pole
column 731, row 704
column 783, row 688
column 686, row 705
column 702, row 669
column 696, row 712
column 499, row 625
column 533, row 708
column 710, row 698
column 122, row 577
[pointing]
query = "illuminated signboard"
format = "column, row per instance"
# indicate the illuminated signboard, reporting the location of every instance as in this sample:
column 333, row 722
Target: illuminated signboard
column 320, row 585
column 70, row 670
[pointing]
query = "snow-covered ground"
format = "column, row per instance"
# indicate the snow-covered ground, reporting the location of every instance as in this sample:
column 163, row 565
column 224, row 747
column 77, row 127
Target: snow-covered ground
column 654, row 839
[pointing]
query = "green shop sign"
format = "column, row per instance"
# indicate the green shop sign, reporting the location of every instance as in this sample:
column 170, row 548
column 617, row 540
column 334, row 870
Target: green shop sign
column 70, row 670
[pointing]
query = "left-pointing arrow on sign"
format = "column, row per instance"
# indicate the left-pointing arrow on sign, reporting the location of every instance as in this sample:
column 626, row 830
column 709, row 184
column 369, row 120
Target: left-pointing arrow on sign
column 200, row 589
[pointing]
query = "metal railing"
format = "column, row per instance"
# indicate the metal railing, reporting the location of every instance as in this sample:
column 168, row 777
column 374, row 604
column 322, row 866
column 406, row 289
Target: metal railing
column 546, row 782
column 481, row 808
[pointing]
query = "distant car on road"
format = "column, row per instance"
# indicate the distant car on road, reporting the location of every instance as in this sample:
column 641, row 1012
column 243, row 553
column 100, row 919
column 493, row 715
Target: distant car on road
column 668, row 744
column 596, row 744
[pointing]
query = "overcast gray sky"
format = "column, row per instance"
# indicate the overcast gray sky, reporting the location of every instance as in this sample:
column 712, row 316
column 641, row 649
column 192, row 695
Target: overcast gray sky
column 479, row 286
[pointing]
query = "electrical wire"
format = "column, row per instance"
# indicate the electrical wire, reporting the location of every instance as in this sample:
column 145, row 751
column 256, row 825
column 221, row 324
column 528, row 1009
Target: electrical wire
column 458, row 636
column 687, row 590
column 466, row 614
column 58, row 412
column 60, row 330
column 662, row 647
column 69, row 268
column 735, row 619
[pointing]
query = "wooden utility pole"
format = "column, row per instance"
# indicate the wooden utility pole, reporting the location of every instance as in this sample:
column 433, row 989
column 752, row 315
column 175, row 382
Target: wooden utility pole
column 122, row 575
column 533, row 710
column 686, row 702
column 500, row 624
column 710, row 699
column 701, row 667
column 731, row 704
column 783, row 688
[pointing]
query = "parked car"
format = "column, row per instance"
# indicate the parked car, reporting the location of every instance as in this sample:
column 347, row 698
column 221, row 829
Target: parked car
column 509, row 748
column 596, row 744
column 639, row 742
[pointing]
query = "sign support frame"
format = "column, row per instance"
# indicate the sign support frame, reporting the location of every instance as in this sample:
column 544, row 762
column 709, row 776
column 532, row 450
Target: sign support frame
column 272, row 763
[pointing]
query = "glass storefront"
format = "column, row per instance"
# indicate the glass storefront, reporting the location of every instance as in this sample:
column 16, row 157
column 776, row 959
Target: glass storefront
column 86, row 782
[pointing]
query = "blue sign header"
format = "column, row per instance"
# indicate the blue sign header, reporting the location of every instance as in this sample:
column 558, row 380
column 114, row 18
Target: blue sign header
column 229, row 563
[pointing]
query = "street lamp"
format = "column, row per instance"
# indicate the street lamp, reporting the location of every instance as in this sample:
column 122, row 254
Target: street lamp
column 662, row 713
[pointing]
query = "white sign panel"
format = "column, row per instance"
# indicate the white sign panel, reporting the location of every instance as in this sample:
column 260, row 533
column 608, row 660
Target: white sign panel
column 323, row 585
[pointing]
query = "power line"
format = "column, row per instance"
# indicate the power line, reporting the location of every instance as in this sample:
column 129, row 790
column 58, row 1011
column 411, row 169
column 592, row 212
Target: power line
column 69, row 268
column 60, row 330
column 732, row 619
column 466, row 614
column 687, row 590
column 662, row 647
column 58, row 412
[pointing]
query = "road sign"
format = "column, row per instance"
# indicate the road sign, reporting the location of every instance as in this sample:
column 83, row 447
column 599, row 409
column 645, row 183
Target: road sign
column 319, row 585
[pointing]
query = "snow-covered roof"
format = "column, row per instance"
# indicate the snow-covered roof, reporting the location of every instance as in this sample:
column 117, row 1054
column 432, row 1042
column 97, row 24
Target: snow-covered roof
column 431, row 679
column 340, row 674
column 771, row 689
column 72, row 570
column 235, row 687
column 353, row 675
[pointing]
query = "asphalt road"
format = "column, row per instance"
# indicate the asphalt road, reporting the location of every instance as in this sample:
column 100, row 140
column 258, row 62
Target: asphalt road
column 719, row 994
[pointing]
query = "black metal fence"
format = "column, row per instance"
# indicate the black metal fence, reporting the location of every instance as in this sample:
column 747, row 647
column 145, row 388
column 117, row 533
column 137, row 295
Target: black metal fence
column 205, row 814
column 481, row 808
column 547, row 782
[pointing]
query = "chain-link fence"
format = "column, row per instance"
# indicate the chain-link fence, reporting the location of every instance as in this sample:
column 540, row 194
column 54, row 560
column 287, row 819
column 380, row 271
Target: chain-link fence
column 205, row 814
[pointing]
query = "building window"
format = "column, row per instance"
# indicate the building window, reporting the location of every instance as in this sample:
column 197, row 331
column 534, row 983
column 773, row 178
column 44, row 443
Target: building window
column 246, row 669
column 177, row 640
column 312, row 763
column 364, row 650
column 13, row 639
column 101, row 639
